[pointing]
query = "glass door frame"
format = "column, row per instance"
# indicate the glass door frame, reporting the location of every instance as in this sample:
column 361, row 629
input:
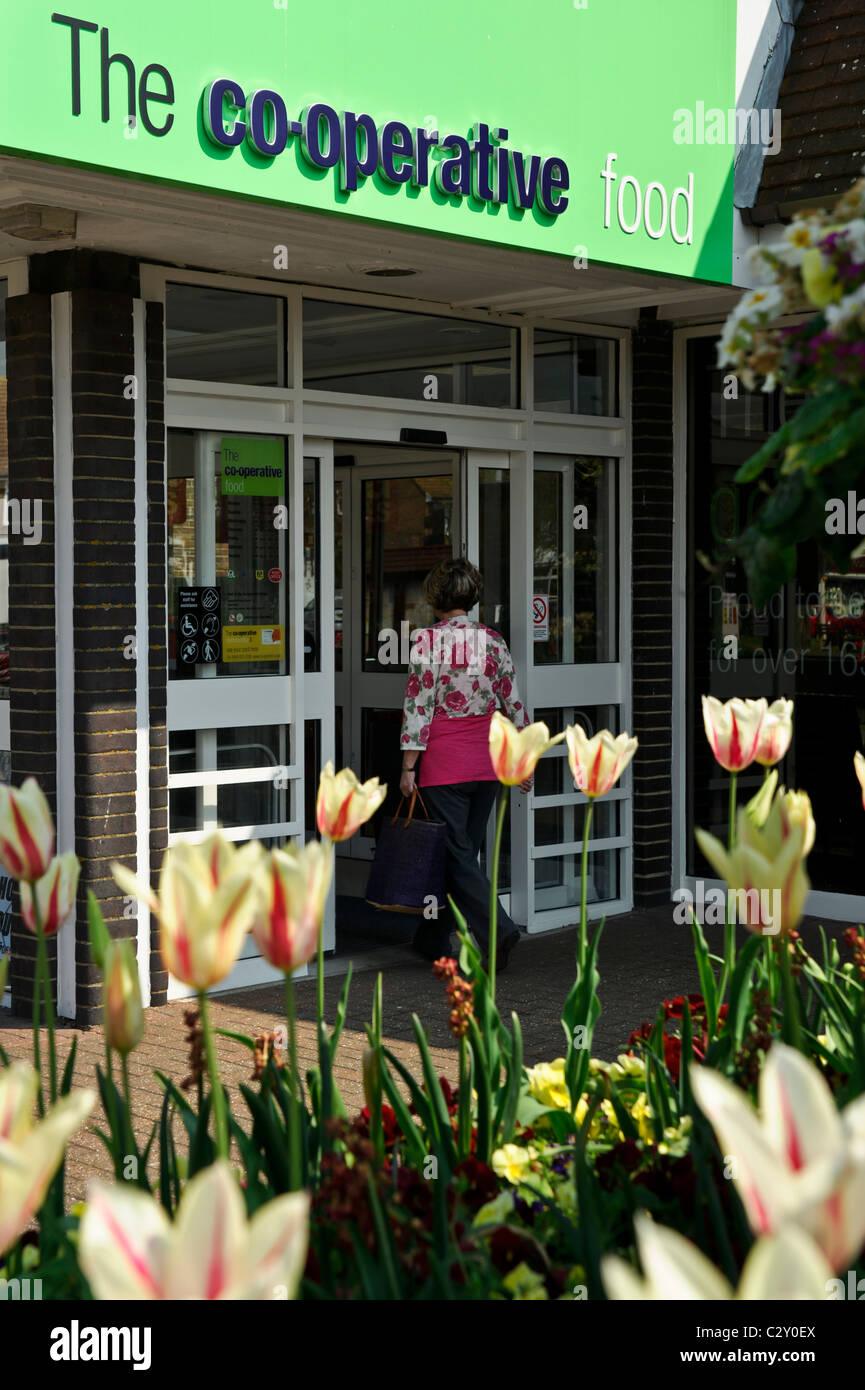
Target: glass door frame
column 357, row 683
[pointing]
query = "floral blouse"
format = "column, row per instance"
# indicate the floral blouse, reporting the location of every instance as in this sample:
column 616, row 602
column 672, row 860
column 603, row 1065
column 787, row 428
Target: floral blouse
column 456, row 669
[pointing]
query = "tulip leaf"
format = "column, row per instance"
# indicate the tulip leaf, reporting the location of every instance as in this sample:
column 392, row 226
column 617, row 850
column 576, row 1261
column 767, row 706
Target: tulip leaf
column 169, row 1181
column 66, row 1081
column 236, row 1037
column 410, row 1131
column 97, row 930
column 740, row 989
column 341, row 1009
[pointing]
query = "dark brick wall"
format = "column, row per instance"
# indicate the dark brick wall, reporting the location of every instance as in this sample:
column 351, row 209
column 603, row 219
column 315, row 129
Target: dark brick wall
column 33, row 678
column 103, row 487
column 158, row 655
column 652, row 633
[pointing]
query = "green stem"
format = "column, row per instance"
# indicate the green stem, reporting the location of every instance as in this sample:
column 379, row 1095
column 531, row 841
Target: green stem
column 43, row 970
column 791, row 1030
column 465, row 1103
column 37, row 1023
column 729, row 922
column 319, row 987
column 494, row 890
column 219, row 1112
column 131, row 1151
column 112, row 1109
column 584, row 877
column 294, row 1153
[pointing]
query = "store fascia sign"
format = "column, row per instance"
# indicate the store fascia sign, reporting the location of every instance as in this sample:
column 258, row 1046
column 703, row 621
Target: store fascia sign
column 582, row 160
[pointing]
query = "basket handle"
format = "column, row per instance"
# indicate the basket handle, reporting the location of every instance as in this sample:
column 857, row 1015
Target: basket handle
column 415, row 796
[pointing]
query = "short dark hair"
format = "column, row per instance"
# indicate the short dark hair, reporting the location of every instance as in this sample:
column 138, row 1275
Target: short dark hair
column 453, row 584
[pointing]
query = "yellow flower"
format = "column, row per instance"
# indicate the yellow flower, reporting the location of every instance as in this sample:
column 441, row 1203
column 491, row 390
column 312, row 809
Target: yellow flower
column 819, row 279
column 641, row 1114
column 526, row 1285
column 513, row 1162
column 547, row 1084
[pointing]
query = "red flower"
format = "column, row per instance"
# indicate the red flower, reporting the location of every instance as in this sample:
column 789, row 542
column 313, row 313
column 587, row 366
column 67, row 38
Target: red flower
column 424, row 734
column 490, row 667
column 412, row 686
column 506, row 687
column 427, row 679
column 455, row 699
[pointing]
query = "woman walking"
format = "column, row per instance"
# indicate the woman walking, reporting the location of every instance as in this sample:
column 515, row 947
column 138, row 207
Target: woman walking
column 460, row 672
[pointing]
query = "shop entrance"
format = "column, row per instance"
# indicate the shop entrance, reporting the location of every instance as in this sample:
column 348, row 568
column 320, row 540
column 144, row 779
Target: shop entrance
column 396, row 514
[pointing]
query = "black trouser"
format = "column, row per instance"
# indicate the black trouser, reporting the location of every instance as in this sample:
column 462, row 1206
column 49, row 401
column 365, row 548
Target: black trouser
column 465, row 809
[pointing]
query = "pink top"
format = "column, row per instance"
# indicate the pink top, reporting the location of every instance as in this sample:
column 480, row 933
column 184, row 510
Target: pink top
column 458, row 751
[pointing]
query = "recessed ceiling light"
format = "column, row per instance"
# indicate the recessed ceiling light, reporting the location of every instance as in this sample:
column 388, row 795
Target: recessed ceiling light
column 390, row 272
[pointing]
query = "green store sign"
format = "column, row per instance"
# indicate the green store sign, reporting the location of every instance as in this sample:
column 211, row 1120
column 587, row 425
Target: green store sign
column 252, row 467
column 555, row 127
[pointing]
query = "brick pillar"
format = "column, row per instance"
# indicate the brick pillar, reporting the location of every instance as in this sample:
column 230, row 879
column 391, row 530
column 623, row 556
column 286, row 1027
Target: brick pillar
column 101, row 395
column 157, row 557
column 32, row 674
column 652, row 636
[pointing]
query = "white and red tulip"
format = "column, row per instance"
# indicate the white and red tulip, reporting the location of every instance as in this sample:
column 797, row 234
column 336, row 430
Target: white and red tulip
column 733, row 730
column 514, row 752
column 54, row 894
column 205, row 906
column 786, row 1266
column 766, row 866
column 776, row 732
column 26, row 831
column 344, row 804
column 31, row 1152
column 293, row 885
column 597, row 763
column 799, row 1161
column 129, row 1249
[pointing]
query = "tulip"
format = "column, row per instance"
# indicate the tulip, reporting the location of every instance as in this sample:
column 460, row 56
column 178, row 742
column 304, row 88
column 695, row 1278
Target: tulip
column 733, row 730
column 776, row 731
column 514, row 752
column 205, row 905
column 293, row 887
column 129, row 1249
column 859, row 765
column 786, row 1266
column 122, row 1012
column 30, row 1153
column 344, row 803
column 598, row 763
column 799, row 1161
column 26, row 831
column 766, row 867
column 54, row 894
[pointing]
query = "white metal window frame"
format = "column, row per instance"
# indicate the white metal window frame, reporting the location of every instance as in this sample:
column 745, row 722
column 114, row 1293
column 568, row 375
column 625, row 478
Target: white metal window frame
column 316, row 420
column 839, row 907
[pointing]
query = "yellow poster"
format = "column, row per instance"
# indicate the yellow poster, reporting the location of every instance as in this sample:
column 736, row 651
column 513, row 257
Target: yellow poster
column 253, row 644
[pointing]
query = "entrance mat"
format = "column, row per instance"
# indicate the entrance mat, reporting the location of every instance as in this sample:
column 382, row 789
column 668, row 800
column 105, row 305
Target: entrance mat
column 363, row 927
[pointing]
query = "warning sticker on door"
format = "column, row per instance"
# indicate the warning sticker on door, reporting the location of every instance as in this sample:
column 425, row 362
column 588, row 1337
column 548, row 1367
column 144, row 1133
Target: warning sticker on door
column 541, row 618
column 253, row 643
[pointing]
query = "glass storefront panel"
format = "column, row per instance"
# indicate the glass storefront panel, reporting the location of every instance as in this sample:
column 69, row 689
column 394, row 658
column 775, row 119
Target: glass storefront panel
column 494, row 552
column 575, row 374
column 806, row 644
column 231, row 541
column 368, row 351
column 224, row 335
column 575, row 561
column 407, row 527
column 311, row 567
column 240, row 803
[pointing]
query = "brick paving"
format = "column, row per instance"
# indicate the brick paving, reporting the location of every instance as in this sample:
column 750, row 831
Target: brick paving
column 644, row 958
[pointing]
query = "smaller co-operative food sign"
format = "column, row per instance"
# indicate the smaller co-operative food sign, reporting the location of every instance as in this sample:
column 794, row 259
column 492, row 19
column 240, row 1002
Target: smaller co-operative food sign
column 199, row 626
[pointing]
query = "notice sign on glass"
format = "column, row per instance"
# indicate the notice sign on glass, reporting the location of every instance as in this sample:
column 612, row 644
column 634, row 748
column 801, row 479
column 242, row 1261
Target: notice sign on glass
column 254, row 644
column 252, row 467
column 199, row 627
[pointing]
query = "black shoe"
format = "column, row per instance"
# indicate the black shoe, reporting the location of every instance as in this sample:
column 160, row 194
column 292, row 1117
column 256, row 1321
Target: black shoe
column 431, row 951
column 503, row 952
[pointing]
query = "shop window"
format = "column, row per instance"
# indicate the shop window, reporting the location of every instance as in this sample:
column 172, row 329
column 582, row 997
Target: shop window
column 575, row 561
column 224, row 335
column 369, row 351
column 227, row 528
column 576, row 374
column 806, row 644
column 312, row 765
